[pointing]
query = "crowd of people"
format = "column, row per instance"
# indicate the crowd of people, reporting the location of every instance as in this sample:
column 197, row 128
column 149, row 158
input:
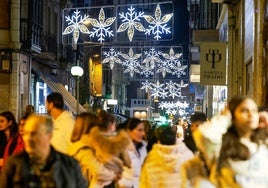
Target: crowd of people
column 92, row 150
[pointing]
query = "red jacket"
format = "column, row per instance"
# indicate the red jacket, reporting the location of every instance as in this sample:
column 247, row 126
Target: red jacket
column 18, row 148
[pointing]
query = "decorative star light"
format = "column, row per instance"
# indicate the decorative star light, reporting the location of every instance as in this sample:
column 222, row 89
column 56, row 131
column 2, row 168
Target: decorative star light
column 146, row 70
column 164, row 68
column 101, row 28
column 131, row 62
column 131, row 21
column 174, row 62
column 148, row 64
column 174, row 89
column 179, row 70
column 182, row 84
column 169, row 107
column 172, row 58
column 164, row 90
column 152, row 57
column 76, row 24
column 111, row 57
column 164, row 94
column 182, row 105
column 158, row 24
column 157, row 89
column 146, row 86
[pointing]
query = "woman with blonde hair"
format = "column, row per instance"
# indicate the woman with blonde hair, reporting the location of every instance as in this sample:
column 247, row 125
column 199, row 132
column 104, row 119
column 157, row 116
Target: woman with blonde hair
column 94, row 171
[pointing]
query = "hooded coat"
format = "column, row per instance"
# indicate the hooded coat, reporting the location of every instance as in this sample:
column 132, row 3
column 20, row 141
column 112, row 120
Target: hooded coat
column 111, row 148
column 93, row 170
column 161, row 168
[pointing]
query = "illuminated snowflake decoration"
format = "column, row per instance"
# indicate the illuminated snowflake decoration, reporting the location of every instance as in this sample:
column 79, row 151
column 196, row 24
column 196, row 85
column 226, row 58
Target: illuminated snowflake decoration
column 158, row 24
column 102, row 27
column 131, row 62
column 130, row 22
column 111, row 57
column 148, row 64
column 76, row 24
column 164, row 90
column 157, row 89
column 146, row 86
column 182, row 84
column 182, row 105
column 174, row 89
column 174, row 107
column 169, row 107
column 173, row 64
column 164, row 68
column 172, row 57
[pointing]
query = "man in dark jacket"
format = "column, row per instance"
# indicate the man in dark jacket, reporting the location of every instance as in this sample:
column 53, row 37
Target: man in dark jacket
column 40, row 165
column 196, row 119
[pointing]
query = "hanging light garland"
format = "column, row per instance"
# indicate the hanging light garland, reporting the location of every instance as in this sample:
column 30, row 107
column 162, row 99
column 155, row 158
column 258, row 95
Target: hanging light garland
column 145, row 62
column 163, row 90
column 130, row 18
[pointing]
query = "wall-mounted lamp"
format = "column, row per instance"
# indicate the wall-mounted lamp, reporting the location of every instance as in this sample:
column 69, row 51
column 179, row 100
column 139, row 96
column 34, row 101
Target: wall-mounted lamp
column 5, row 62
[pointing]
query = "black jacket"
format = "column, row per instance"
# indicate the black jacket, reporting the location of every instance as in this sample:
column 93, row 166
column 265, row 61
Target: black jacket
column 65, row 170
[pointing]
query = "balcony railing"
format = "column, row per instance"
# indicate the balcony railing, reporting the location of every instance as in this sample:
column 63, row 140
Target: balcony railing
column 49, row 47
column 30, row 35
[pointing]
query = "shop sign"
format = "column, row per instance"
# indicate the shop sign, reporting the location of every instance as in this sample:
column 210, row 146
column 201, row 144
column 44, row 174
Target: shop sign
column 213, row 63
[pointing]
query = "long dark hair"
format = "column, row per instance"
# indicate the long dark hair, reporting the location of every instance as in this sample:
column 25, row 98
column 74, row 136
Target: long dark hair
column 10, row 117
column 130, row 125
column 13, row 130
column 231, row 145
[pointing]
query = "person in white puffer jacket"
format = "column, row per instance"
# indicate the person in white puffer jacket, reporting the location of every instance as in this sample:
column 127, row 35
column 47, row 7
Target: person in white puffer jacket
column 137, row 153
column 162, row 165
column 239, row 148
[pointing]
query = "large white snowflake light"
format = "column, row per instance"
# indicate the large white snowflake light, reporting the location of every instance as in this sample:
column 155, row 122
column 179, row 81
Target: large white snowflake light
column 182, row 84
column 131, row 21
column 148, row 64
column 157, row 89
column 164, row 68
column 171, row 57
column 165, row 89
column 146, row 86
column 169, row 107
column 174, row 89
column 173, row 61
column 182, row 105
column 76, row 24
column 111, row 57
column 131, row 62
column 158, row 24
column 102, row 27
column 179, row 70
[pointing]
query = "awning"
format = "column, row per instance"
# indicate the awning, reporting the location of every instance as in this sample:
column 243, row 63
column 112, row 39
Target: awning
column 69, row 100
